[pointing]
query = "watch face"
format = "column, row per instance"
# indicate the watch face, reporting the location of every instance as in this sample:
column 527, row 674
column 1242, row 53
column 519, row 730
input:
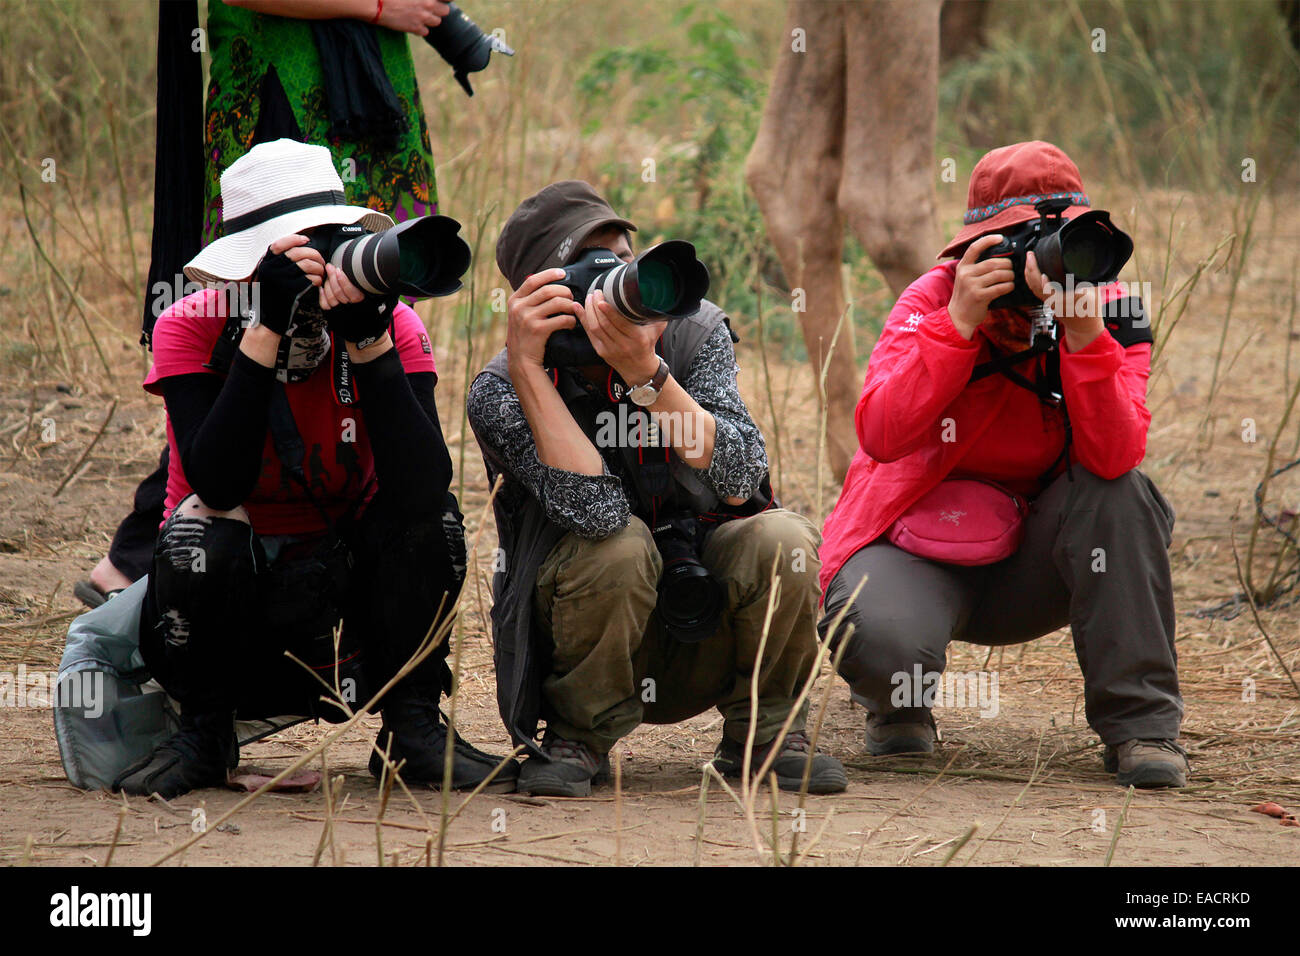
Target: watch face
column 643, row 394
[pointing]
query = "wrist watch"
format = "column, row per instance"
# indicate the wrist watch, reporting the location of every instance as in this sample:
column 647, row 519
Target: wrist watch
column 647, row 394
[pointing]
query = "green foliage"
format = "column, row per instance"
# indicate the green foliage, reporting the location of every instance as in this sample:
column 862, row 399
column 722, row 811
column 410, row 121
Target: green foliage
column 703, row 91
column 1180, row 95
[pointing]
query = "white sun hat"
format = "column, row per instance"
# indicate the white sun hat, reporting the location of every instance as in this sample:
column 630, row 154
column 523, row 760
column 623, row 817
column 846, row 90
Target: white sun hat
column 274, row 190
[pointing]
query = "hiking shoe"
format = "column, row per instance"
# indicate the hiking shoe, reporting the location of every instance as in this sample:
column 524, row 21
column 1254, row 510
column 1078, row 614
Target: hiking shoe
column 1147, row 764
column 901, row 733
column 198, row 755
column 569, row 772
column 418, row 734
column 826, row 775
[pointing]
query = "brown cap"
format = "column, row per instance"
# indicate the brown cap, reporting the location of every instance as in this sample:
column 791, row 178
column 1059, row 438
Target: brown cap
column 549, row 227
column 1005, row 184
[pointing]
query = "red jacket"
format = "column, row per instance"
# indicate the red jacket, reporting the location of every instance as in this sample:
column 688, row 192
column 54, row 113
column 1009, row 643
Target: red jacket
column 918, row 393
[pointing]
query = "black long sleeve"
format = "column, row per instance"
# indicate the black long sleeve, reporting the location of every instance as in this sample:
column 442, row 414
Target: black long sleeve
column 220, row 427
column 411, row 458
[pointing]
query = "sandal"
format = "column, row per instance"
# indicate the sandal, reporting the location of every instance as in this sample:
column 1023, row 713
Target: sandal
column 92, row 596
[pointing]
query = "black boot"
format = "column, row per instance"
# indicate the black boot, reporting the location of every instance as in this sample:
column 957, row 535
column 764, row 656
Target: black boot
column 198, row 755
column 419, row 736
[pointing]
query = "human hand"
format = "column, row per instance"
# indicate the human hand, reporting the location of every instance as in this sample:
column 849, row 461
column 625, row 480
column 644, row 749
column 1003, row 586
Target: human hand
column 977, row 284
column 359, row 318
column 1080, row 312
column 413, row 16
column 625, row 346
column 289, row 271
column 533, row 312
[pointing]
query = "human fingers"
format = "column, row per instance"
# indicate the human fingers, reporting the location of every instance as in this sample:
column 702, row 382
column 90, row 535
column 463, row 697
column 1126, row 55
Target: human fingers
column 287, row 242
column 976, row 248
column 344, row 289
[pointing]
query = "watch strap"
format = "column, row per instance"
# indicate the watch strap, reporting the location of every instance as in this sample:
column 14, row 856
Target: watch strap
column 660, row 376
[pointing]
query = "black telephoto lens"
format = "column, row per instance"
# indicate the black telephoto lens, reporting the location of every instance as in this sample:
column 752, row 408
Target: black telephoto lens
column 1089, row 247
column 690, row 598
column 666, row 281
column 419, row 258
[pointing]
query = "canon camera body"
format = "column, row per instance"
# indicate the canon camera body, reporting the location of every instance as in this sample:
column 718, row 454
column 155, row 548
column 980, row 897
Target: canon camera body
column 1088, row 249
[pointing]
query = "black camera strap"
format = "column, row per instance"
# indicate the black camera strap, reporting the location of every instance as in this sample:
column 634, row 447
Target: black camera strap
column 654, row 463
column 1004, row 363
column 647, row 462
column 1047, row 386
column 223, row 350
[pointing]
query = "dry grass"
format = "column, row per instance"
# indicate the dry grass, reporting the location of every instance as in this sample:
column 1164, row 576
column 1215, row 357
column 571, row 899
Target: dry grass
column 1226, row 315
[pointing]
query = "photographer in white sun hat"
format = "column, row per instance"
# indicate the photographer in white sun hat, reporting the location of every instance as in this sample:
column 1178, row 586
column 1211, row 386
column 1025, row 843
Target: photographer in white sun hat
column 308, row 484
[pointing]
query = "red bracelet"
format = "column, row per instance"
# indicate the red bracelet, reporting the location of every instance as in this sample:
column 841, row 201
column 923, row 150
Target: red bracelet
column 378, row 12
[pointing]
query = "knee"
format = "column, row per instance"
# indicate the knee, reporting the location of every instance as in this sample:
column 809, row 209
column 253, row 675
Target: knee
column 206, row 561
column 625, row 559
column 192, row 506
column 774, row 538
column 1130, row 504
column 893, row 228
column 880, row 646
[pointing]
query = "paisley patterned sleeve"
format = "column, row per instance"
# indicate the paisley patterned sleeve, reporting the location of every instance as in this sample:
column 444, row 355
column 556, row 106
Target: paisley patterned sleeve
column 739, row 454
column 592, row 506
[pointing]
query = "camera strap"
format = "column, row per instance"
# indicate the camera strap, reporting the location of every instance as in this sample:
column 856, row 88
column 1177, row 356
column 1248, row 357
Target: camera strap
column 654, row 464
column 1047, row 386
column 1003, row 363
column 223, row 350
column 646, row 458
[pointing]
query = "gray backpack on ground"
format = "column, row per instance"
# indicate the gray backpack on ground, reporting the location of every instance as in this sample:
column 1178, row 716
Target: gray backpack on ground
column 108, row 712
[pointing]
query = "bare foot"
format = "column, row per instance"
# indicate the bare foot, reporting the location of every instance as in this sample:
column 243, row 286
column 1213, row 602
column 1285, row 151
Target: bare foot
column 107, row 577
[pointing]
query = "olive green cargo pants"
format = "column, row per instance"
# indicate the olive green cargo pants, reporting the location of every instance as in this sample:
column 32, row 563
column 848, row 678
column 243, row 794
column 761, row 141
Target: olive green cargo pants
column 614, row 667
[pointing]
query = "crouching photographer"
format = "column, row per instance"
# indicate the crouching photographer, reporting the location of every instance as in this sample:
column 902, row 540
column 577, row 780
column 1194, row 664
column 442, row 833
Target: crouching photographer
column 309, row 478
column 636, row 524
column 995, row 495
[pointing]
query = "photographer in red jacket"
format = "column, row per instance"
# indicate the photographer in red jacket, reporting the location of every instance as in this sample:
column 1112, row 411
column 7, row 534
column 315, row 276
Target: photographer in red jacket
column 995, row 495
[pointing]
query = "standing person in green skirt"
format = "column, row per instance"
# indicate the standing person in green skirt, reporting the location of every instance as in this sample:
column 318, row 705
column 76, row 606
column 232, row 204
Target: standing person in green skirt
column 335, row 73
column 283, row 66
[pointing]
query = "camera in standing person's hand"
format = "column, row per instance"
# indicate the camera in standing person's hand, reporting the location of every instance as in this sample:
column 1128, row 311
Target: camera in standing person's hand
column 1088, row 249
column 465, row 47
column 665, row 282
column 419, row 258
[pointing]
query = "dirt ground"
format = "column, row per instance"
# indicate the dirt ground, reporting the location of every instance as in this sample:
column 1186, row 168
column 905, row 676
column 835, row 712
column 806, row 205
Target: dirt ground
column 1030, row 778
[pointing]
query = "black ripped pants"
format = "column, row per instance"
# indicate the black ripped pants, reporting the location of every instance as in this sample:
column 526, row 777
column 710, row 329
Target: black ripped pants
column 218, row 616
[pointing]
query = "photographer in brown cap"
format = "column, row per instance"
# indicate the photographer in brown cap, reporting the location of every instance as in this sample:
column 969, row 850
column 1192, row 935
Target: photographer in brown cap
column 637, row 528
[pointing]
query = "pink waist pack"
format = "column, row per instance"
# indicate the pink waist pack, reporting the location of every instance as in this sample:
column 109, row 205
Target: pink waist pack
column 965, row 521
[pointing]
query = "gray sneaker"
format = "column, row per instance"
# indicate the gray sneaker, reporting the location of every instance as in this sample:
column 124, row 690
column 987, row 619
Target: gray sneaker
column 901, row 732
column 571, row 769
column 1147, row 764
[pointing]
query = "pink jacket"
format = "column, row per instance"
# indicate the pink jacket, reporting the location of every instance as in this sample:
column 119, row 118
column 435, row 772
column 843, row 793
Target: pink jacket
column 918, row 380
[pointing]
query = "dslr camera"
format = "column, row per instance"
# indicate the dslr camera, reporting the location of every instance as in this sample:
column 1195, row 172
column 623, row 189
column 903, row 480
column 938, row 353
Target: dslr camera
column 666, row 281
column 466, row 48
column 1087, row 249
column 691, row 599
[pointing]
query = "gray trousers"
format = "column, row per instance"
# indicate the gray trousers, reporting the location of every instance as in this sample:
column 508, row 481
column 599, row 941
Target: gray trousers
column 1094, row 556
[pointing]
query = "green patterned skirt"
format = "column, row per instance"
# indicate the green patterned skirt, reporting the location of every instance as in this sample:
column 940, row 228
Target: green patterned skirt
column 244, row 46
